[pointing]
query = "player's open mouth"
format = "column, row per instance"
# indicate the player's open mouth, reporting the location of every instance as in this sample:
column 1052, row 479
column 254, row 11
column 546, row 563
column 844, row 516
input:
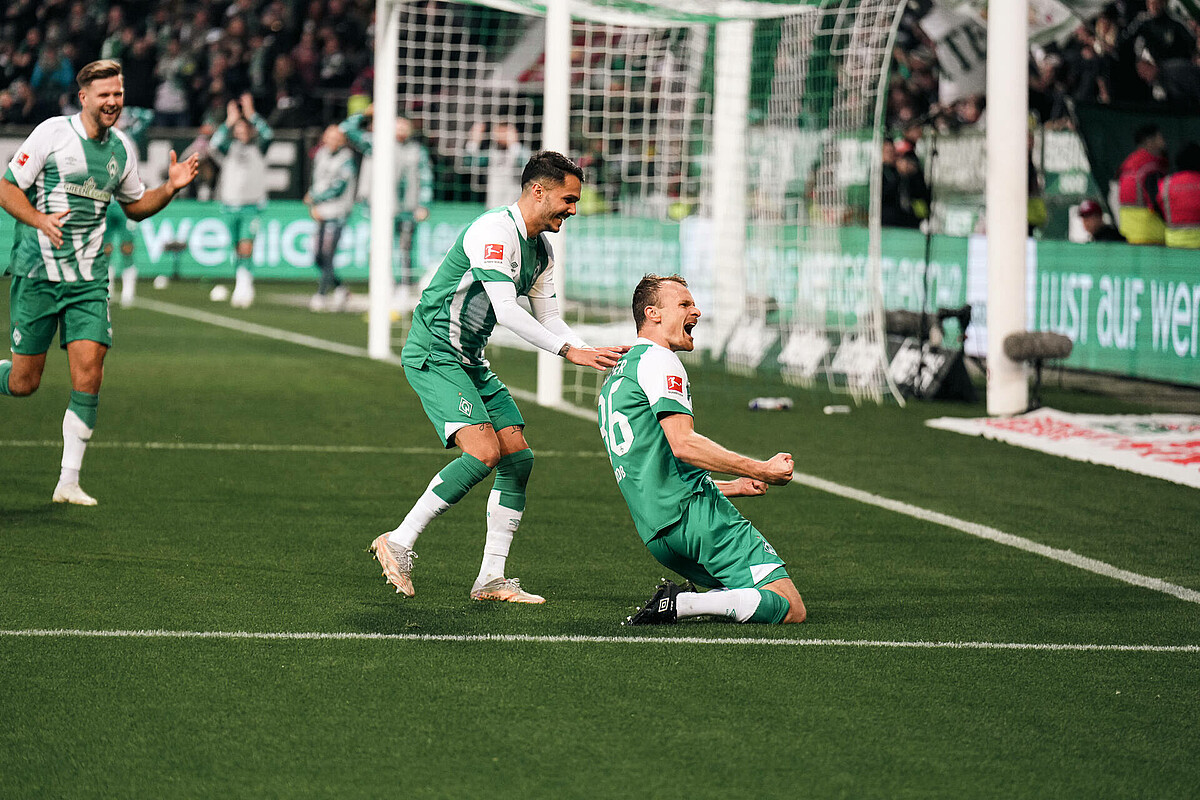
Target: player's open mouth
column 687, row 328
column 109, row 111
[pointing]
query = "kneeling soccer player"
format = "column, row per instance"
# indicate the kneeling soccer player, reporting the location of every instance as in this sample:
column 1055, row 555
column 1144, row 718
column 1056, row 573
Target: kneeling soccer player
column 661, row 464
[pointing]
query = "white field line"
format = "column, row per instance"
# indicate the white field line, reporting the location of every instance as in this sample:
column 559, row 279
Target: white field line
column 567, row 639
column 313, row 342
column 280, row 448
column 981, row 531
column 1000, row 537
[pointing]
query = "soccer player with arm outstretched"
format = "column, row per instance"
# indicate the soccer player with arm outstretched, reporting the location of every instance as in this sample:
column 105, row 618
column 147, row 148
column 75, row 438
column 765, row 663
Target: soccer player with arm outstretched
column 501, row 255
column 58, row 187
column 662, row 467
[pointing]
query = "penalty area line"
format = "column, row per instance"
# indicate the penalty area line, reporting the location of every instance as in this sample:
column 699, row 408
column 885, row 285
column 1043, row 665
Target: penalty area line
column 572, row 639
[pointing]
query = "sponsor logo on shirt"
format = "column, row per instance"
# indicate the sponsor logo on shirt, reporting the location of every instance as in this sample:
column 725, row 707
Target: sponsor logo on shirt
column 493, row 252
column 87, row 189
column 675, row 384
column 22, row 158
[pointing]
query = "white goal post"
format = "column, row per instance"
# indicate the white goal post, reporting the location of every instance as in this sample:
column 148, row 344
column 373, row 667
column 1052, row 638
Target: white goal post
column 736, row 143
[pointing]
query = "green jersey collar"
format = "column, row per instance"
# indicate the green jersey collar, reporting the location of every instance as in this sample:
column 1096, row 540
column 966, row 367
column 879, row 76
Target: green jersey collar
column 515, row 212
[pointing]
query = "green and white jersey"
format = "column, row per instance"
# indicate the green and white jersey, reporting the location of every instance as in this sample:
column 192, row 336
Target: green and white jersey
column 60, row 169
column 243, row 178
column 648, row 381
column 455, row 317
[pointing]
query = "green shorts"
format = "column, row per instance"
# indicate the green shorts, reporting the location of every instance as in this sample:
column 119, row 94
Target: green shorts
column 457, row 395
column 242, row 222
column 118, row 228
column 38, row 307
column 714, row 546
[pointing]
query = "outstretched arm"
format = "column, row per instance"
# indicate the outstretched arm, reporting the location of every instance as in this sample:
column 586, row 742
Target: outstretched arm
column 504, row 302
column 702, row 452
column 179, row 175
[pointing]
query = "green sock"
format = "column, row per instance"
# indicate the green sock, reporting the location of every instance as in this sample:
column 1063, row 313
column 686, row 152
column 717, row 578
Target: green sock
column 512, row 475
column 5, row 368
column 772, row 608
column 459, row 476
column 84, row 405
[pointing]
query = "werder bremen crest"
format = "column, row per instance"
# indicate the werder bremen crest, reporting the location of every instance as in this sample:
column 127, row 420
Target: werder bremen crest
column 112, row 167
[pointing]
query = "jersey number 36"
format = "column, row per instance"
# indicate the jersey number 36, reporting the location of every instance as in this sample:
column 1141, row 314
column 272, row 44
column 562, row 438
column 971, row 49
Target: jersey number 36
column 614, row 426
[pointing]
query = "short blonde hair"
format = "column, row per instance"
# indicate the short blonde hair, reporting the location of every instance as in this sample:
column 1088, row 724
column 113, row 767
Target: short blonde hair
column 646, row 294
column 97, row 70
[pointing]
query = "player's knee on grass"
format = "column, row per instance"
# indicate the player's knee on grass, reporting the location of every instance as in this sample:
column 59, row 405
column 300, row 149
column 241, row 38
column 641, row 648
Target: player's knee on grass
column 786, row 591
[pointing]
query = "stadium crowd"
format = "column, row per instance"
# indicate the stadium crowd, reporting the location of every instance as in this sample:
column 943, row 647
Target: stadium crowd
column 1136, row 53
column 185, row 59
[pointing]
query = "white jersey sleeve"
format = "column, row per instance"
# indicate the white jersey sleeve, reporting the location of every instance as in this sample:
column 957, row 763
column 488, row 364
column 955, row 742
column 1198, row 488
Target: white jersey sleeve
column 31, row 156
column 544, row 304
column 503, row 296
column 662, row 377
column 131, row 187
column 491, row 246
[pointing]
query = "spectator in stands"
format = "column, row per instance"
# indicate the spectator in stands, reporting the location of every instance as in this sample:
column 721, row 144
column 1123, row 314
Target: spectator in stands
column 336, row 71
column 1179, row 199
column 17, row 104
column 330, row 201
column 1092, row 216
column 1140, row 218
column 138, row 65
column 287, row 95
column 240, row 145
column 84, row 29
column 905, row 199
column 174, row 72
column 1161, row 35
column 1086, row 68
column 504, row 157
column 53, row 75
column 307, row 57
column 1174, row 84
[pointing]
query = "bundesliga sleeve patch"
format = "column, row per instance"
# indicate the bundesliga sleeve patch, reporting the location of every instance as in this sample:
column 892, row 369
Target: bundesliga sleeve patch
column 675, row 385
column 493, row 252
column 22, row 158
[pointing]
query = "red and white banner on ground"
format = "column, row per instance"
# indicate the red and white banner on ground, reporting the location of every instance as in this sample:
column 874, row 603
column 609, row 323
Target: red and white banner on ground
column 1163, row 446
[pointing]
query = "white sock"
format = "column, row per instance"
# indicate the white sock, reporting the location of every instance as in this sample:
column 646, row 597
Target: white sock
column 739, row 604
column 243, row 279
column 502, row 524
column 75, row 438
column 128, row 284
column 428, row 506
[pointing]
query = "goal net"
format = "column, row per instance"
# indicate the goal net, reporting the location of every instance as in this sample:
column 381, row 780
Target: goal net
column 734, row 143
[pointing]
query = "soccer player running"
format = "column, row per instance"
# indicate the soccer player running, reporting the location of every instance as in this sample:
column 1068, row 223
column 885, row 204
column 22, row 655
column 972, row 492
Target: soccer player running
column 662, row 468
column 502, row 254
column 58, row 187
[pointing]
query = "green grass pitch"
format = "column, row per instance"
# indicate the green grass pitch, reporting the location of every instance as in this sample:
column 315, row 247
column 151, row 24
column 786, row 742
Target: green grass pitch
column 242, row 478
